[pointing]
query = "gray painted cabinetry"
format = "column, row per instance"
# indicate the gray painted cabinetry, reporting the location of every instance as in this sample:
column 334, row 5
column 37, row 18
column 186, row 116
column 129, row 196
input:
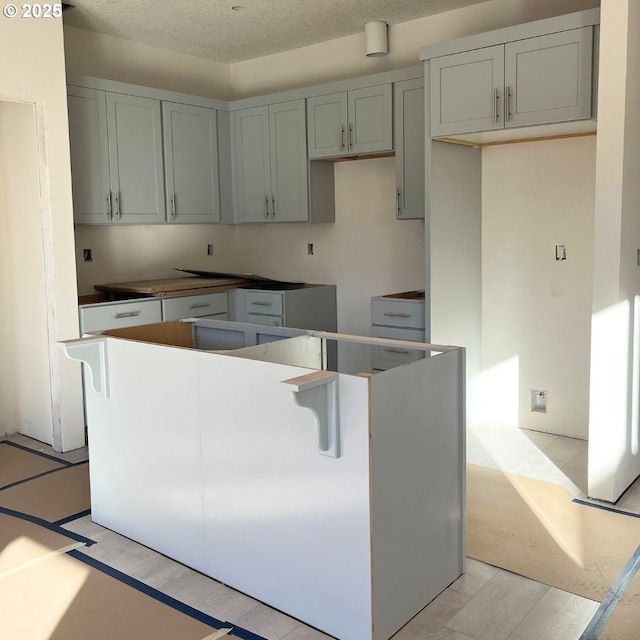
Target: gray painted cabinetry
column 116, row 157
column 191, row 163
column 526, row 82
column 270, row 163
column 353, row 122
column 409, row 145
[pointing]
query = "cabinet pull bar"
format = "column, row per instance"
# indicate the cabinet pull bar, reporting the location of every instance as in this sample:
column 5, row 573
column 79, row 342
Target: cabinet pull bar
column 200, row 305
column 391, row 350
column 397, row 202
column 263, row 304
column 266, row 206
column 116, row 199
column 394, row 314
column 496, row 98
column 273, row 206
column 173, row 206
column 127, row 314
column 342, row 137
column 350, row 135
column 507, row 109
column 109, row 207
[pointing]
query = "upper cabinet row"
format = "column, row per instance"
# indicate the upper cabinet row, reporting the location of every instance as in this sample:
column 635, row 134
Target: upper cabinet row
column 141, row 160
column 121, row 174
column 532, row 81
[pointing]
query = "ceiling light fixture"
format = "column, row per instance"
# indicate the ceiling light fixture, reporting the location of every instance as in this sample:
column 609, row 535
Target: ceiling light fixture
column 375, row 38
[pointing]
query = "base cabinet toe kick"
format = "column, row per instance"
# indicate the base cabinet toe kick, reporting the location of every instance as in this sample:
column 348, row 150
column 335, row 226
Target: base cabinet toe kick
column 279, row 475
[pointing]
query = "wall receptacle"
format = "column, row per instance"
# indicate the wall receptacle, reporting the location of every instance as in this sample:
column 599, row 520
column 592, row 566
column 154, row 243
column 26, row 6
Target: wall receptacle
column 87, row 255
column 538, row 400
column 309, row 248
column 209, row 249
column 561, row 252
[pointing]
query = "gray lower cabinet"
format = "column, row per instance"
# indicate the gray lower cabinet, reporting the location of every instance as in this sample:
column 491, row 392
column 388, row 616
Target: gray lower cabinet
column 537, row 80
column 409, row 144
column 116, row 157
column 353, row 122
column 270, row 163
column 191, row 163
column 117, row 315
column 399, row 316
column 214, row 305
column 308, row 307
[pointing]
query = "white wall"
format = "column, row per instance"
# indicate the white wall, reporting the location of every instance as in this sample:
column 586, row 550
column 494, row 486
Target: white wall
column 37, row 208
column 614, row 430
column 536, row 311
column 95, row 54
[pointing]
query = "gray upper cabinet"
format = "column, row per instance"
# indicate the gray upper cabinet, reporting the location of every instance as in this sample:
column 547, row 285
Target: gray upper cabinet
column 89, row 155
column 537, row 80
column 352, row 122
column 270, row 162
column 135, row 158
column 116, row 157
column 191, row 163
column 409, row 138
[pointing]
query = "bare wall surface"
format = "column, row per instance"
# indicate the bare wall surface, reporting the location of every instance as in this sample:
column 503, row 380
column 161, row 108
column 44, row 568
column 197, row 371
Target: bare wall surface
column 536, row 311
column 32, row 72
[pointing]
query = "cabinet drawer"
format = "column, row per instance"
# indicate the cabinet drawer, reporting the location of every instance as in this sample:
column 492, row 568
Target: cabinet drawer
column 194, row 306
column 271, row 321
column 397, row 313
column 264, row 302
column 120, row 314
column 388, row 356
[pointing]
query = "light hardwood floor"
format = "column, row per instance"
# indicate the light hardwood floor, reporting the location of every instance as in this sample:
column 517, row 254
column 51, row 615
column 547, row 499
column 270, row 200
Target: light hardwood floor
column 486, row 603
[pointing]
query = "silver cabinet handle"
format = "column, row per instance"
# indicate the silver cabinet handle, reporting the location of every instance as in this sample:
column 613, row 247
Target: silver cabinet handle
column 341, row 137
column 273, row 206
column 116, row 199
column 395, row 314
column 397, row 202
column 109, row 207
column 263, row 304
column 391, row 350
column 173, row 206
column 200, row 305
column 496, row 99
column 266, row 206
column 507, row 107
column 350, row 135
column 127, row 314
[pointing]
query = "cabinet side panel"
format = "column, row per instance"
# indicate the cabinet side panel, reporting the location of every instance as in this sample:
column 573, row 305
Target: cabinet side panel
column 417, row 487
column 285, row 524
column 146, row 480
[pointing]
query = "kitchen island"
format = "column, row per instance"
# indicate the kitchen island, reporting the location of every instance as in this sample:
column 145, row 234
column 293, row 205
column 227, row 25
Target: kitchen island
column 336, row 498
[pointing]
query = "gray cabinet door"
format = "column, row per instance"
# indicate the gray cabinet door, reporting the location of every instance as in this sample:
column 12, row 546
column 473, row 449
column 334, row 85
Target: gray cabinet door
column 89, row 155
column 409, row 138
column 289, row 171
column 250, row 131
column 548, row 78
column 191, row 163
column 370, row 126
column 135, row 158
column 467, row 91
column 327, row 125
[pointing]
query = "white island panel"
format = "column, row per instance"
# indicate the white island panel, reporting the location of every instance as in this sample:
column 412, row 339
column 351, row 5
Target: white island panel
column 283, row 522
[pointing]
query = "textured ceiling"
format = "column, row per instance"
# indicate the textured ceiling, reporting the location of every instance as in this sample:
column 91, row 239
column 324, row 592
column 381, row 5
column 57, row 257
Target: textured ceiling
column 212, row 29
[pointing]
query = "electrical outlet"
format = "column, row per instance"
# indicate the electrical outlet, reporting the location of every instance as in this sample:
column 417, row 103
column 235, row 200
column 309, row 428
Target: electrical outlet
column 209, row 249
column 561, row 252
column 87, row 255
column 310, row 248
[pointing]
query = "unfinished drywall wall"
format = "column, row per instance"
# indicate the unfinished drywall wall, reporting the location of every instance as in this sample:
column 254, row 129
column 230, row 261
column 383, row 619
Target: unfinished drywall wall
column 536, row 310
